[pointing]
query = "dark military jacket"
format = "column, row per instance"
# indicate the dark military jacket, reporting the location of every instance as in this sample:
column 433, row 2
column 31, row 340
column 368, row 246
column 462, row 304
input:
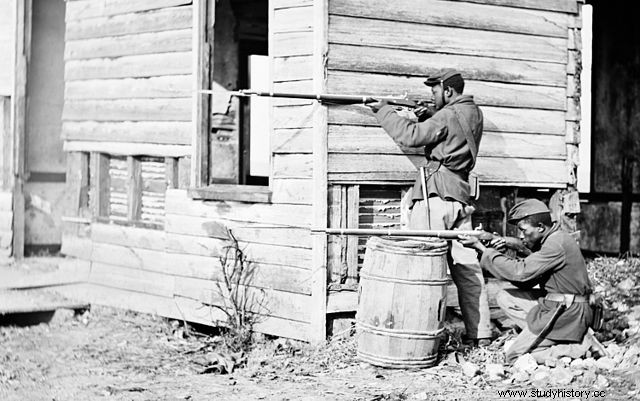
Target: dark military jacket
column 558, row 267
column 445, row 141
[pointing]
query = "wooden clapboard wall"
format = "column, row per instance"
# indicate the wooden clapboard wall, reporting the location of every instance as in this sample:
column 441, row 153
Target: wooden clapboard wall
column 291, row 48
column 174, row 271
column 128, row 69
column 519, row 60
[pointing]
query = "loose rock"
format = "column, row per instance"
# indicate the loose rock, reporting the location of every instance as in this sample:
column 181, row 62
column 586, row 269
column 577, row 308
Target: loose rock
column 469, row 369
column 525, row 363
column 495, row 371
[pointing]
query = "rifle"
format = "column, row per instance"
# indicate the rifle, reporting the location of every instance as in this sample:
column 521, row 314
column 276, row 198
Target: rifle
column 412, row 102
column 444, row 234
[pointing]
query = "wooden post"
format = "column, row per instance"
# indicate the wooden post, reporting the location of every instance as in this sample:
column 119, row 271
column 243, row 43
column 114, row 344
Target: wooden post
column 318, row 329
column 171, row 172
column 203, row 18
column 134, row 188
column 18, row 118
column 100, row 183
column 353, row 218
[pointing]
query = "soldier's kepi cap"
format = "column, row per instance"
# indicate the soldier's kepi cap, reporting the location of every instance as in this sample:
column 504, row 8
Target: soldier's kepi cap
column 445, row 76
column 526, row 208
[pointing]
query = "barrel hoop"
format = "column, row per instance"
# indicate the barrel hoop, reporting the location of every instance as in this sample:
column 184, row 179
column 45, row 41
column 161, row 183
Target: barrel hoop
column 409, row 334
column 398, row 362
column 434, row 282
column 409, row 247
column 407, row 251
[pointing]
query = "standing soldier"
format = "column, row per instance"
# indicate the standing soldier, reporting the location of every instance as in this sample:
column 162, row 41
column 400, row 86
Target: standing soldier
column 441, row 196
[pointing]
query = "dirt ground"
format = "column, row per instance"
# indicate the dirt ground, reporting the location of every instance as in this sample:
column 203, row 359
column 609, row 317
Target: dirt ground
column 114, row 354
column 107, row 353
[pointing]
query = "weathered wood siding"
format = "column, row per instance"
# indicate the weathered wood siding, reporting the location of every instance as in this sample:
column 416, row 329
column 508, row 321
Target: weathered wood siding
column 174, row 271
column 291, row 48
column 518, row 61
column 127, row 74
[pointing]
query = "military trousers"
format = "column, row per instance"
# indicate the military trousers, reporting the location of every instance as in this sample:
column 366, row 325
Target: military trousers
column 516, row 303
column 438, row 214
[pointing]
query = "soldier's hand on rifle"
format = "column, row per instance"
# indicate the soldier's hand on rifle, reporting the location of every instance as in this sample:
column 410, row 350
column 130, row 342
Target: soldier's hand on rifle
column 498, row 243
column 471, row 241
column 375, row 106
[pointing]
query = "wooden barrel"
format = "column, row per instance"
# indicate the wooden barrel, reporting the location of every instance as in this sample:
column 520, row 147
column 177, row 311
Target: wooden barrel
column 403, row 289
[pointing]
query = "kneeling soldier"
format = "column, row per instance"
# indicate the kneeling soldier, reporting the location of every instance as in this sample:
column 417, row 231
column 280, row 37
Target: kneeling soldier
column 559, row 311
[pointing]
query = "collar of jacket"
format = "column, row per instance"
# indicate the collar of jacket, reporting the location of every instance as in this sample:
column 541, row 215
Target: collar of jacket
column 462, row 99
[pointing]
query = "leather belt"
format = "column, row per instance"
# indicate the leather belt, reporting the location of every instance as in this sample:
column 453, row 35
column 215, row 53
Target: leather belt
column 567, row 299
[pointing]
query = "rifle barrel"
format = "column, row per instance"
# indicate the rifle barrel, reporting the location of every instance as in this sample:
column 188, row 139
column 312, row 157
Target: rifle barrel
column 321, row 97
column 444, row 234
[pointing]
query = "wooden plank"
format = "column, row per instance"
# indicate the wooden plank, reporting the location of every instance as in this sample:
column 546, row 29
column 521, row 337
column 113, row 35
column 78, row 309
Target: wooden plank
column 296, row 140
column 124, row 278
column 277, row 4
column 292, row 68
column 149, row 65
column 266, row 302
column 75, row 246
column 293, row 19
column 31, row 301
column 247, row 232
column 17, row 144
column 128, row 148
column 177, row 202
column 292, row 191
column 439, row 39
column 232, row 192
column 78, row 10
column 172, row 172
column 492, row 171
column 184, row 172
column 336, row 245
column 293, row 116
column 128, row 24
column 197, row 245
column 372, row 140
column 196, row 311
column 172, row 86
column 100, row 184
column 318, row 303
column 456, row 14
column 352, row 221
column 177, row 307
column 566, row 6
column 150, row 132
column 178, row 109
column 419, row 63
column 292, row 166
column 262, row 275
column 496, row 119
column 77, row 183
column 203, row 42
column 304, row 86
column 484, row 93
column 292, row 44
column 68, row 271
column 134, row 188
column 128, row 45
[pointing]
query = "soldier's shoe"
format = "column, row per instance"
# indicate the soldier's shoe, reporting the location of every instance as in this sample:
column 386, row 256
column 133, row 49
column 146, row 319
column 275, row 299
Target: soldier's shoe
column 476, row 342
